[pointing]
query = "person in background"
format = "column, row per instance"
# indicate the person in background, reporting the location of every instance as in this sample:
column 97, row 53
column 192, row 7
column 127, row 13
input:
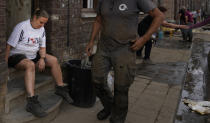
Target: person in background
column 118, row 21
column 199, row 15
column 182, row 21
column 26, row 49
column 144, row 26
column 203, row 15
column 189, row 21
column 186, row 19
column 195, row 16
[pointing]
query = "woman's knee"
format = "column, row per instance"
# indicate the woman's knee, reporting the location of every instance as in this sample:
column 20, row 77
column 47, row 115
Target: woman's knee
column 30, row 65
column 52, row 60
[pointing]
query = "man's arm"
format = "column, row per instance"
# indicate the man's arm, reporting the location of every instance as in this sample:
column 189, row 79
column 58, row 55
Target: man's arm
column 95, row 31
column 207, row 21
column 186, row 19
column 158, row 18
column 171, row 25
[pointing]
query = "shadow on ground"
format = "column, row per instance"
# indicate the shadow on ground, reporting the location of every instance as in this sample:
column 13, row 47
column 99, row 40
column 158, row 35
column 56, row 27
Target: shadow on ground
column 170, row 73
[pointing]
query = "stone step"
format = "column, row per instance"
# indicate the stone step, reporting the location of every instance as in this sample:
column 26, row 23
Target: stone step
column 13, row 73
column 49, row 101
column 16, row 90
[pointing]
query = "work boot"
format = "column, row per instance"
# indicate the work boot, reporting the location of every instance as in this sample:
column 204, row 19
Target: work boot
column 63, row 91
column 33, row 106
column 118, row 121
column 147, row 61
column 103, row 114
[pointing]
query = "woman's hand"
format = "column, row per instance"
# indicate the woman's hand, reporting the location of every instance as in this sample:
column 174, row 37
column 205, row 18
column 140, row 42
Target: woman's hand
column 41, row 65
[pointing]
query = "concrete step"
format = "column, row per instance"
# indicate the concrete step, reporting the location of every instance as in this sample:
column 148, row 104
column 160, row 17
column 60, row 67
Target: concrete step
column 13, row 73
column 16, row 90
column 49, row 101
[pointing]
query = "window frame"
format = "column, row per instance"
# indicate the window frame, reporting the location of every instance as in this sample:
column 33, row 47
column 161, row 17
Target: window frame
column 89, row 10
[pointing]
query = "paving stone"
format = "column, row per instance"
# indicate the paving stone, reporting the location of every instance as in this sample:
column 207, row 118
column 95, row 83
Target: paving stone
column 148, row 103
column 166, row 119
column 78, row 115
column 136, row 118
column 178, row 87
column 158, row 86
column 132, row 100
column 156, row 89
column 136, row 89
column 143, row 77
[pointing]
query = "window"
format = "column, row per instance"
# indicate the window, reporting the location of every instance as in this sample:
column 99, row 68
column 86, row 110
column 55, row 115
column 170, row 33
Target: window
column 88, row 8
column 90, row 4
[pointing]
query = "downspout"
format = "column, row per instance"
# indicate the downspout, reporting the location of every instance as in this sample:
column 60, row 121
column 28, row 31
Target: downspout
column 68, row 24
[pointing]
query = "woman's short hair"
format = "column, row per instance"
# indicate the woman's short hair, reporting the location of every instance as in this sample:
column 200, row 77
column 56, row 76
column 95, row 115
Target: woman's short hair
column 40, row 13
column 162, row 9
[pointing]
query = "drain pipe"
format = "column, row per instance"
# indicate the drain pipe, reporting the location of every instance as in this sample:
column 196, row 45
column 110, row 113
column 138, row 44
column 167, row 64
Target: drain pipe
column 68, row 24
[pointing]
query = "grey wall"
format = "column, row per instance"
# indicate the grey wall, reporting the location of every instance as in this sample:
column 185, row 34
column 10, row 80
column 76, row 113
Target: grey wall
column 17, row 11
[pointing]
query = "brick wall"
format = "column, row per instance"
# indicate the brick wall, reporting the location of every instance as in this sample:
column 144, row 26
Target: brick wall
column 3, row 66
column 169, row 4
column 59, row 33
column 2, row 29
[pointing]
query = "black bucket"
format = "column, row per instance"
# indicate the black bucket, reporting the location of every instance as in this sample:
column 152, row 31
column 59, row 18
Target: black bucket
column 81, row 88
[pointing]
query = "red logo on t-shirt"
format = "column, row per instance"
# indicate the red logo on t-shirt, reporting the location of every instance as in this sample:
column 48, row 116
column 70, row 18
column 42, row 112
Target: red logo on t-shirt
column 33, row 40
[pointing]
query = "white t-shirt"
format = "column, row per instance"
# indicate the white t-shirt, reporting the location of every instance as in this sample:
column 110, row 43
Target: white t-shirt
column 26, row 40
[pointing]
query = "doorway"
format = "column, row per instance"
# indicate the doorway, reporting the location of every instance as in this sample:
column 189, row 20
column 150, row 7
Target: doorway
column 17, row 11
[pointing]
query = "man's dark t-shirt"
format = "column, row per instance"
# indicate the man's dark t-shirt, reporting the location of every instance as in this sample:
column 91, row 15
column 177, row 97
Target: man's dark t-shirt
column 120, row 18
column 182, row 17
column 144, row 25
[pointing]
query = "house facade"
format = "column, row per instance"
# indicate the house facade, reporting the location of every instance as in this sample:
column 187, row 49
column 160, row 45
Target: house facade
column 68, row 29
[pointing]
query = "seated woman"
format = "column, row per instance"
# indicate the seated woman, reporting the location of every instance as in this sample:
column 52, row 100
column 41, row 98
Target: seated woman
column 26, row 48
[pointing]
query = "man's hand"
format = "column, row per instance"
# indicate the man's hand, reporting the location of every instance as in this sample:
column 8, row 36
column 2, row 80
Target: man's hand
column 138, row 44
column 41, row 65
column 89, row 48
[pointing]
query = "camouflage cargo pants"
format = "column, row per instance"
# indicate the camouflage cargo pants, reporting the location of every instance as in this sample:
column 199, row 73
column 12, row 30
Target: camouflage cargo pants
column 123, row 61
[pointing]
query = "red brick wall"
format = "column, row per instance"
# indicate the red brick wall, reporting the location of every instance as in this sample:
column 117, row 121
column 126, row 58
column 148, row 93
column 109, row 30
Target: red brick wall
column 2, row 29
column 57, row 30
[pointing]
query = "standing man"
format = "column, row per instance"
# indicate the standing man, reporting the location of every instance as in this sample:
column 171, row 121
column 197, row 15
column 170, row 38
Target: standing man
column 182, row 20
column 144, row 26
column 118, row 21
column 189, row 21
column 186, row 19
